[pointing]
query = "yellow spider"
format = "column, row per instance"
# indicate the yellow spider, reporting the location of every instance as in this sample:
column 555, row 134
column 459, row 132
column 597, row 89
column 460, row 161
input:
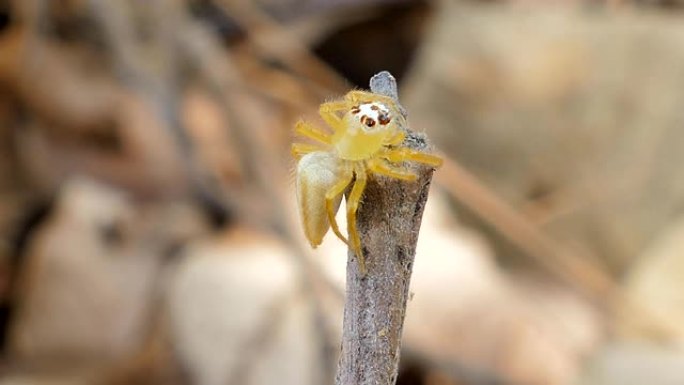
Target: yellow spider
column 368, row 130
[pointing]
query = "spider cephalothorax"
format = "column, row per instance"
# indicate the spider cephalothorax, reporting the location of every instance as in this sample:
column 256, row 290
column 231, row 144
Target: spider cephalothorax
column 368, row 130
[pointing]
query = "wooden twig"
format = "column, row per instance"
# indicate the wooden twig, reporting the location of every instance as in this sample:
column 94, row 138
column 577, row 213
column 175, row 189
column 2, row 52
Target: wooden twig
column 388, row 221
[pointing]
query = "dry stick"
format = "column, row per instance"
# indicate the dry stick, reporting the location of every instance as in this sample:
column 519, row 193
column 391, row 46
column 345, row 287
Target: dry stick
column 388, row 221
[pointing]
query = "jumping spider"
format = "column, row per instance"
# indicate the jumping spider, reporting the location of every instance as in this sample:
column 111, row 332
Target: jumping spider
column 367, row 138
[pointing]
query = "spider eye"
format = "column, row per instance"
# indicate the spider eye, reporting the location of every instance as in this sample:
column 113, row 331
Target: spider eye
column 367, row 121
column 384, row 119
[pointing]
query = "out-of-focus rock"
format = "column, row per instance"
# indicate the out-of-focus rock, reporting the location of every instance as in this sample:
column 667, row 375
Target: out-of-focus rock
column 87, row 280
column 656, row 285
column 238, row 314
column 635, row 364
column 573, row 116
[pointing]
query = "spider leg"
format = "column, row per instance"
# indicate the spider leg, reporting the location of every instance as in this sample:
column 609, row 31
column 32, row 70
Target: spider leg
column 352, row 205
column 396, row 139
column 340, row 105
column 382, row 168
column 359, row 96
column 330, row 195
column 305, row 129
column 328, row 112
column 300, row 149
column 404, row 154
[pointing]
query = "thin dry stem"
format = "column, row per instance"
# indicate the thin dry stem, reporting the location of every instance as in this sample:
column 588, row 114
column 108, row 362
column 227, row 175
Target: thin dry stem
column 388, row 222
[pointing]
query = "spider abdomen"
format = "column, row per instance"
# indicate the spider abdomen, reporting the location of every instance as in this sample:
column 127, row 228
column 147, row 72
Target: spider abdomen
column 317, row 173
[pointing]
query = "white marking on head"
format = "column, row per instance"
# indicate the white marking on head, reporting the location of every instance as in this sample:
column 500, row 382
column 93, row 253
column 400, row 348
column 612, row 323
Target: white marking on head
column 372, row 114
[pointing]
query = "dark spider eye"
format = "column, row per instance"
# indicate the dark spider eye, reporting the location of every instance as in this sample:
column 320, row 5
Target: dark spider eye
column 370, row 122
column 384, row 119
column 355, row 110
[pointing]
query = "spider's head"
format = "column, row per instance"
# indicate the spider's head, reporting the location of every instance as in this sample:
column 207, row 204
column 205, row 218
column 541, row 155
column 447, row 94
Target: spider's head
column 372, row 117
column 368, row 126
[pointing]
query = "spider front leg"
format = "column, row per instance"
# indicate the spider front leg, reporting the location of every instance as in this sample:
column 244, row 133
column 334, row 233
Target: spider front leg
column 396, row 139
column 328, row 111
column 352, row 205
column 406, row 154
column 335, row 191
column 359, row 96
column 300, row 149
column 305, row 129
column 382, row 168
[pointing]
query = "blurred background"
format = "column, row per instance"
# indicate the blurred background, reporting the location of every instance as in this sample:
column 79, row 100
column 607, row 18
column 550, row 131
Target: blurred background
column 148, row 233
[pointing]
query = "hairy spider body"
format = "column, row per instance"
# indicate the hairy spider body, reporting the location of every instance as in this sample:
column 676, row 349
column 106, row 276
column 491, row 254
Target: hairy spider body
column 368, row 130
